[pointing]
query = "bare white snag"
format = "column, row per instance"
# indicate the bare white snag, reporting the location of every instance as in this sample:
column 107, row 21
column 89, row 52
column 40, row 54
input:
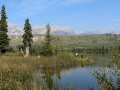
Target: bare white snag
column 27, row 51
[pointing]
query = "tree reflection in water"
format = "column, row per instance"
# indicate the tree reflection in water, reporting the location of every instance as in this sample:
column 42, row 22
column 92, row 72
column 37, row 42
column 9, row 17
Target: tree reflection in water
column 50, row 77
column 106, row 78
column 48, row 74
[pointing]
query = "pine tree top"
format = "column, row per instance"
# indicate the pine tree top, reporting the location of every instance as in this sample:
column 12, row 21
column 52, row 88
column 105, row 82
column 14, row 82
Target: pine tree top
column 3, row 13
column 27, row 36
column 47, row 49
column 4, row 26
column 27, row 26
column 48, row 27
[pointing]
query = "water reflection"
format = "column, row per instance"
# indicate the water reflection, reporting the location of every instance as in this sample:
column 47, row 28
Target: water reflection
column 78, row 76
column 48, row 76
column 102, row 59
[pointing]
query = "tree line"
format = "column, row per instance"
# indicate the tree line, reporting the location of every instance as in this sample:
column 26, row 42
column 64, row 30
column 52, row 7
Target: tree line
column 46, row 49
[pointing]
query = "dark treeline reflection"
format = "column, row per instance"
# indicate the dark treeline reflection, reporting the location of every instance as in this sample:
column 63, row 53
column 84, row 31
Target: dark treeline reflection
column 48, row 74
column 50, row 77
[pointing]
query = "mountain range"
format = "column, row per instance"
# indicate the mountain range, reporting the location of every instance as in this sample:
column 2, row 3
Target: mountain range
column 15, row 29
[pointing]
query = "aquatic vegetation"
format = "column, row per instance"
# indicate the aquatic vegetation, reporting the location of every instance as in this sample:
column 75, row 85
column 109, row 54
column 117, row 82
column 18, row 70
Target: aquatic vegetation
column 105, row 77
column 16, row 71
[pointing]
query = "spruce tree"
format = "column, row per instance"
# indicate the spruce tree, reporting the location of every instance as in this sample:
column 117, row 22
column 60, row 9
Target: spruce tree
column 47, row 47
column 4, row 40
column 57, row 45
column 27, row 37
column 0, row 24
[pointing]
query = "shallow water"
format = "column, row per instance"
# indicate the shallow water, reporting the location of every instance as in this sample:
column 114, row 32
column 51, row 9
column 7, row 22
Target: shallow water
column 79, row 77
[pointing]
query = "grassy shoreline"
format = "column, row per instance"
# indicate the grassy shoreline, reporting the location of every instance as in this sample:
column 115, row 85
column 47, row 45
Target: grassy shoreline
column 16, row 71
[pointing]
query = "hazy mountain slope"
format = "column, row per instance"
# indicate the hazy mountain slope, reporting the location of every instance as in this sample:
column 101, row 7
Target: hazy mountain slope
column 71, row 41
column 15, row 29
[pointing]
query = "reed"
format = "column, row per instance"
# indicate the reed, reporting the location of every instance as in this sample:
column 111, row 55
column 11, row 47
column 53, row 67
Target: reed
column 16, row 71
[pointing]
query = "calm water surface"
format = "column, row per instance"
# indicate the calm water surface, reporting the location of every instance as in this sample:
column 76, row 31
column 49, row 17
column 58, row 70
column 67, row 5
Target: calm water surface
column 80, row 77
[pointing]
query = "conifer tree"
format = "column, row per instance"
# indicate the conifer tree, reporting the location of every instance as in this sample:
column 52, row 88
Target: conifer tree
column 4, row 40
column 57, row 45
column 27, row 37
column 0, row 24
column 47, row 47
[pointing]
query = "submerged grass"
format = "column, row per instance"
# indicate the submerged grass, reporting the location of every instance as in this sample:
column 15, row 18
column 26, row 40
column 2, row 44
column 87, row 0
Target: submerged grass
column 16, row 71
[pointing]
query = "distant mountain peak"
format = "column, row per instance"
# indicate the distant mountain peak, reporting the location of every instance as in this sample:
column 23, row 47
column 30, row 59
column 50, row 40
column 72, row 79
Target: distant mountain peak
column 62, row 32
column 15, row 29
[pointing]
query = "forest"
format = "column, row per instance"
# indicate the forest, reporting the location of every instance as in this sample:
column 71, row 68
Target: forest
column 32, row 61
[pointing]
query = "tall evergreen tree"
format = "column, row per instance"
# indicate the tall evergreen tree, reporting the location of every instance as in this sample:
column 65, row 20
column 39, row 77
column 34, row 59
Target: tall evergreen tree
column 27, row 37
column 0, row 24
column 47, row 47
column 4, row 40
column 57, row 45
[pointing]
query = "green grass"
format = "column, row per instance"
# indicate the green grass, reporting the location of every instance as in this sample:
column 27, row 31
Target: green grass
column 72, row 42
column 16, row 71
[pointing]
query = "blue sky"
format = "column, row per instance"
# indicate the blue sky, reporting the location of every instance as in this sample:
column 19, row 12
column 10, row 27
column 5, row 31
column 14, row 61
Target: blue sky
column 78, row 15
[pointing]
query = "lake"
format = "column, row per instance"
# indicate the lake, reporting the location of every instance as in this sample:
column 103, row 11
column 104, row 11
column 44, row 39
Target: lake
column 81, row 77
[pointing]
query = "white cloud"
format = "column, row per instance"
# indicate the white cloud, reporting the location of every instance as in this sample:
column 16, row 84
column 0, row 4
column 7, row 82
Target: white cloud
column 37, row 29
column 70, row 71
column 41, row 28
column 62, row 28
column 34, row 7
column 25, row 8
column 71, row 2
column 15, row 29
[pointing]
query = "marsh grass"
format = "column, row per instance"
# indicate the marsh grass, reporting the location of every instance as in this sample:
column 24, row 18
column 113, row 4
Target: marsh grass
column 16, row 71
column 105, row 77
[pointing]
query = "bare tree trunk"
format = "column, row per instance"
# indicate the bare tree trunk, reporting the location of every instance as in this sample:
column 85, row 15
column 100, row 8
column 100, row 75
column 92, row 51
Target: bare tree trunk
column 26, row 51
